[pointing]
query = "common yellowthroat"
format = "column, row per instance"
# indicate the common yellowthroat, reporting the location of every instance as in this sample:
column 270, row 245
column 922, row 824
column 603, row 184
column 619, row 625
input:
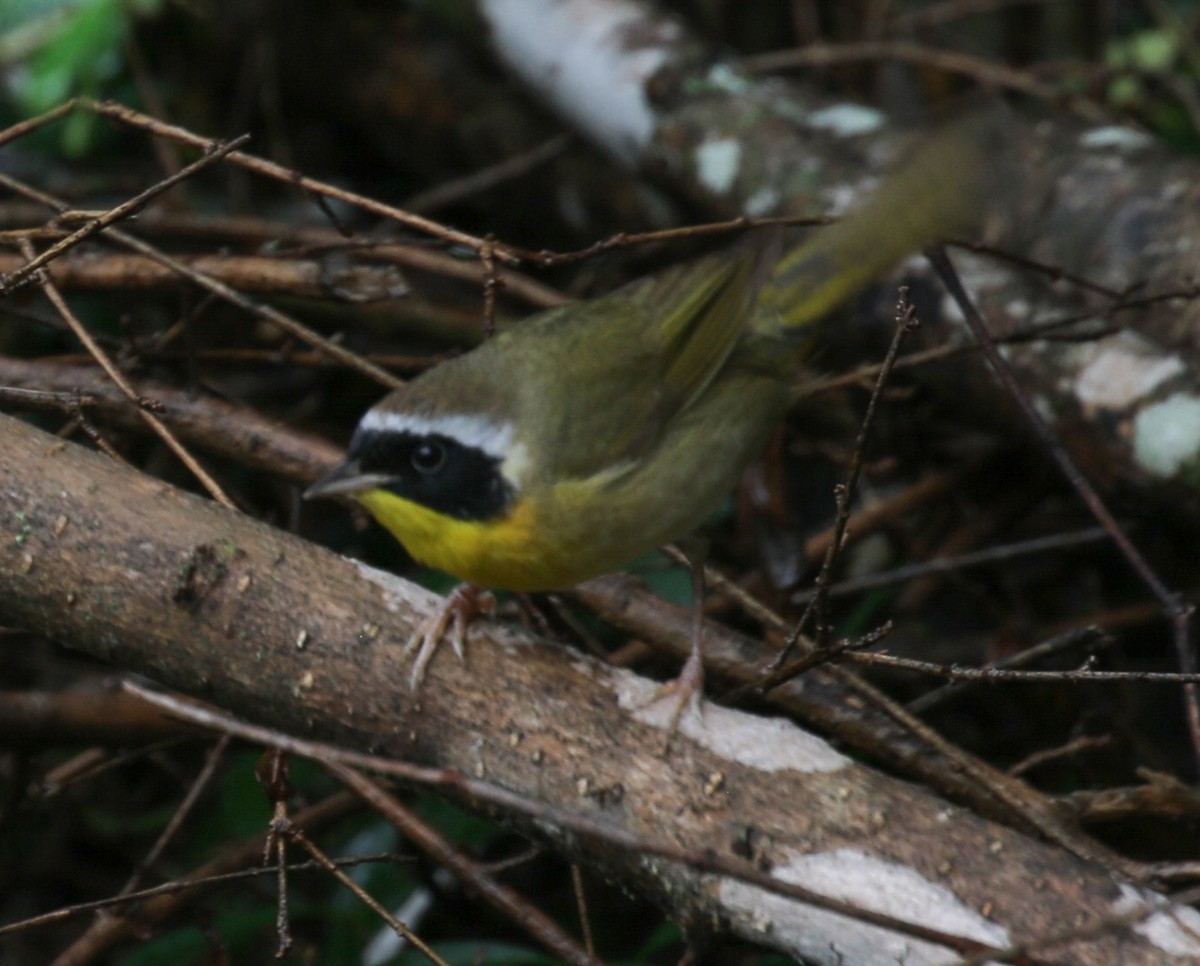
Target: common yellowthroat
column 595, row 432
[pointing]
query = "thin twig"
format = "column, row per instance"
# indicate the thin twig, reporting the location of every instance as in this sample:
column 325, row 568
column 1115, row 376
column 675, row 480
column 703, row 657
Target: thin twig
column 286, row 323
column 214, row 758
column 143, row 405
column 270, row 169
column 585, row 921
column 72, row 402
column 492, row 283
column 108, row 930
column 944, row 565
column 937, row 14
column 1026, row 803
column 1048, row 755
column 17, row 131
column 449, row 192
column 45, row 398
column 540, row 926
column 906, row 321
column 171, row 888
column 548, row 259
column 124, row 210
column 286, row 829
column 1090, row 637
column 986, row 72
column 1172, row 603
column 995, row 675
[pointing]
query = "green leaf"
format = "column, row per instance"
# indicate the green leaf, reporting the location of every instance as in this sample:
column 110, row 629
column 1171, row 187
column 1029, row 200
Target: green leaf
column 64, row 50
column 84, row 51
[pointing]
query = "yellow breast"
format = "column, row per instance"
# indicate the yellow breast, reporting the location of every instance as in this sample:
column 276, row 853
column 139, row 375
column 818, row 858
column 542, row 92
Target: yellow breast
column 504, row 554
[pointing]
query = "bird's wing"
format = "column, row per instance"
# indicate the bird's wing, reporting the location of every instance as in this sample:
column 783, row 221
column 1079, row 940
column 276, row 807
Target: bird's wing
column 629, row 362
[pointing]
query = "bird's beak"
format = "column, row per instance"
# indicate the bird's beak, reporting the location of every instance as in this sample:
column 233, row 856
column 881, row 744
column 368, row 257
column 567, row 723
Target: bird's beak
column 347, row 480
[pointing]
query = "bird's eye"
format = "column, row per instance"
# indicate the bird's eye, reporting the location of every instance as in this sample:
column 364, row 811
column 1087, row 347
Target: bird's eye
column 428, row 456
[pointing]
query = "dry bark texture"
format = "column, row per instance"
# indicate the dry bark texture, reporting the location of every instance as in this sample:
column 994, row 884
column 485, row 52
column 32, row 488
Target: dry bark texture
column 225, row 608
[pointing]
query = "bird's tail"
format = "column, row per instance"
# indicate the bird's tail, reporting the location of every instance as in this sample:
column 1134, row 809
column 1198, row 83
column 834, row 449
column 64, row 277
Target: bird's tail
column 941, row 191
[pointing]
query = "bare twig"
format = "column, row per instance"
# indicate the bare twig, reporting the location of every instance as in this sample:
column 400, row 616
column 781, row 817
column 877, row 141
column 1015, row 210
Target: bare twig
column 64, row 913
column 143, row 405
column 1172, row 603
column 120, row 212
column 962, row 561
column 780, row 672
column 1068, row 750
column 213, row 425
column 292, row 276
column 212, row 760
column 285, row 828
column 17, row 131
column 164, row 902
column 450, row 192
column 285, row 322
column 278, row 172
column 540, row 926
column 986, row 72
column 491, row 284
column 997, row 675
column 947, row 11
column 1075, row 638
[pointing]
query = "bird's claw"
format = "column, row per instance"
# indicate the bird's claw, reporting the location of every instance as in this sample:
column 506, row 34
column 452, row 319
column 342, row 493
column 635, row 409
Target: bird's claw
column 687, row 691
column 464, row 604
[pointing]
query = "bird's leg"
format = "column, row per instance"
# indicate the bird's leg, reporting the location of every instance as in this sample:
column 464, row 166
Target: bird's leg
column 535, row 620
column 465, row 603
column 687, row 689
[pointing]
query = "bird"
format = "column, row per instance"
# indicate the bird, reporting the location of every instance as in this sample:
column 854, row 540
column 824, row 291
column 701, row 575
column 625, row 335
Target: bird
column 594, row 432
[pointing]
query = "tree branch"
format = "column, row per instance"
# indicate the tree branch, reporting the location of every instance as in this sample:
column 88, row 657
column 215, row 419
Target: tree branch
column 132, row 571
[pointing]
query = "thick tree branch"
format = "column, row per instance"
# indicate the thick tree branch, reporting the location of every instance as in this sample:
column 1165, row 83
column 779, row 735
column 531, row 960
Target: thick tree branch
column 220, row 427
column 135, row 572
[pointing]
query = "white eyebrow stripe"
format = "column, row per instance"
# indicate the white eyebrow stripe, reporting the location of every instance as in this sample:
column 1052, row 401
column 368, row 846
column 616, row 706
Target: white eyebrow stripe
column 478, row 432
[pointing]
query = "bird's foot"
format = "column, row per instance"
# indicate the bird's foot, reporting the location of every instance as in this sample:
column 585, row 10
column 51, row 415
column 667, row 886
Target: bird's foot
column 465, row 603
column 687, row 691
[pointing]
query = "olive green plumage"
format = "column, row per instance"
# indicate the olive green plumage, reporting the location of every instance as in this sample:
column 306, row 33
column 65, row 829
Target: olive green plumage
column 606, row 428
